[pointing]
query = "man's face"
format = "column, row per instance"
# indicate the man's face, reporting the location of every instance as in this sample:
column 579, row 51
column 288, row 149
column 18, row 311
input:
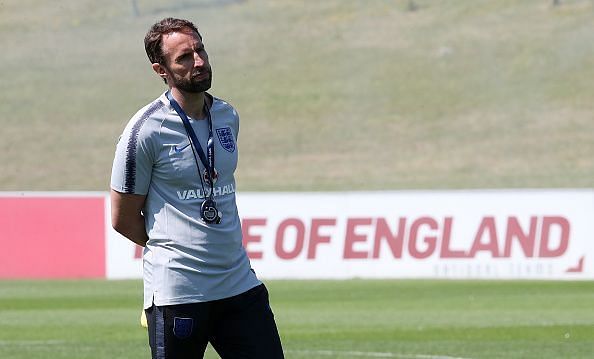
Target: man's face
column 187, row 67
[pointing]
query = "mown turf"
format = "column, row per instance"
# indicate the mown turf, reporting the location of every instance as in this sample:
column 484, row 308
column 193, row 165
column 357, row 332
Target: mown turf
column 321, row 319
column 333, row 95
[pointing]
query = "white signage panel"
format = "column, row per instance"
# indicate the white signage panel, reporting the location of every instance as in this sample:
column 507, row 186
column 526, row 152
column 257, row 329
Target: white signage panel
column 420, row 234
column 498, row 234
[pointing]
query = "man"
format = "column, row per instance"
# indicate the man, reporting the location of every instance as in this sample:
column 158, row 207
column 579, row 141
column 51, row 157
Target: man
column 173, row 192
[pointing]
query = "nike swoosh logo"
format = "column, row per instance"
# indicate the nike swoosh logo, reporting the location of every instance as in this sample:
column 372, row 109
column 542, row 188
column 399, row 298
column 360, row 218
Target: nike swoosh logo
column 179, row 149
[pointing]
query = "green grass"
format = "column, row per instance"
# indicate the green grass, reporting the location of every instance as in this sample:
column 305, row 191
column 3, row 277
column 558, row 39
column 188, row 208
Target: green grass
column 321, row 319
column 333, row 95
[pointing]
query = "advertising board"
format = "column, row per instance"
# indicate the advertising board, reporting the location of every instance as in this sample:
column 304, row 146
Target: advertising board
column 482, row 234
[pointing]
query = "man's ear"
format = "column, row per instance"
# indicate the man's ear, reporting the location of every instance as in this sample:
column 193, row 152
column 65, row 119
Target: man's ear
column 160, row 70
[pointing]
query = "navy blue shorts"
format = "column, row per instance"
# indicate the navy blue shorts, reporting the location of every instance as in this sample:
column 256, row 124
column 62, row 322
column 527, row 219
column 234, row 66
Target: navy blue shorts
column 241, row 326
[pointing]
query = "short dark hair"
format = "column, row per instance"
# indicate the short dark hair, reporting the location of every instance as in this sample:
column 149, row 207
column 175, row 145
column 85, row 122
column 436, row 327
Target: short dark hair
column 154, row 37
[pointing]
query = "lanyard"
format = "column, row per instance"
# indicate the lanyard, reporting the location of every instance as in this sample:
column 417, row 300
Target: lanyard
column 208, row 159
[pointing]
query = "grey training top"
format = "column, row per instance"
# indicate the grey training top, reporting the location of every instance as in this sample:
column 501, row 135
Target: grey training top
column 185, row 259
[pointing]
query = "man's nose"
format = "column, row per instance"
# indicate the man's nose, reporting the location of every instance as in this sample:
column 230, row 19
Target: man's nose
column 198, row 61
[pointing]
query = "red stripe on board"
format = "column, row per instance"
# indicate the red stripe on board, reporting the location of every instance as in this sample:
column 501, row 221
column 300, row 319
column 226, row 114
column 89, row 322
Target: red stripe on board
column 52, row 237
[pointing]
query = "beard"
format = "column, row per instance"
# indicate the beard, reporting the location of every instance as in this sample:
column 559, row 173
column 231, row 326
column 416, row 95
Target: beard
column 193, row 85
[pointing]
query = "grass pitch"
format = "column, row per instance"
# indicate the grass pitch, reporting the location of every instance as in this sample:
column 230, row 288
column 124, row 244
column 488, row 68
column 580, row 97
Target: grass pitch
column 333, row 94
column 321, row 319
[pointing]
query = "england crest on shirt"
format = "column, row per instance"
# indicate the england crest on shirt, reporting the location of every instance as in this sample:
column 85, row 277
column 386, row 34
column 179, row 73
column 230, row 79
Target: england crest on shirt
column 226, row 138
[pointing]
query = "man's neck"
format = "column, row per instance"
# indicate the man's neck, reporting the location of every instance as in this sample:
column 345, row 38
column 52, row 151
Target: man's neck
column 191, row 103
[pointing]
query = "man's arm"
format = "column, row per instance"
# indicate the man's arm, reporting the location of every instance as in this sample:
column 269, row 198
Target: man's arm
column 126, row 216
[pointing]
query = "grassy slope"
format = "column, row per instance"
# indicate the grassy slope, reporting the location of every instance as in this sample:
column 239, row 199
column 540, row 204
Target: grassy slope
column 469, row 319
column 334, row 95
